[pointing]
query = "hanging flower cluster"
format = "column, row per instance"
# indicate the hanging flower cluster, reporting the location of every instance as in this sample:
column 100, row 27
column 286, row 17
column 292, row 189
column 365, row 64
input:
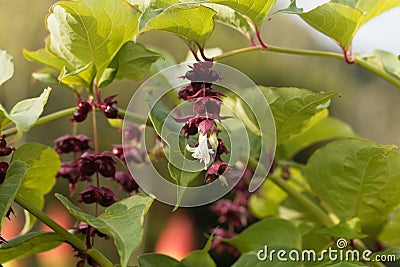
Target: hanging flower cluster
column 233, row 215
column 206, row 106
column 5, row 150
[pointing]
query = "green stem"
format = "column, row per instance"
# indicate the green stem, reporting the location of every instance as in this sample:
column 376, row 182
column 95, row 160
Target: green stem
column 45, row 119
column 319, row 213
column 69, row 238
column 134, row 117
column 303, row 52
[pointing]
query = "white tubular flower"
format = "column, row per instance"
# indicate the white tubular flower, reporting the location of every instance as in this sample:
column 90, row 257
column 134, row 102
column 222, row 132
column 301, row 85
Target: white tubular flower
column 202, row 151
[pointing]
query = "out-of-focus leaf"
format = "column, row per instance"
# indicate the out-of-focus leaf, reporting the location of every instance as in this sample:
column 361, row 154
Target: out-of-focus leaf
column 156, row 260
column 28, row 244
column 385, row 61
column 271, row 231
column 40, row 177
column 327, row 129
column 10, row 186
column 7, row 67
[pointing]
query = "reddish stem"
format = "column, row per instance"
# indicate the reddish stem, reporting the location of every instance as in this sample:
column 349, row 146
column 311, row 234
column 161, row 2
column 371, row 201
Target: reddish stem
column 348, row 55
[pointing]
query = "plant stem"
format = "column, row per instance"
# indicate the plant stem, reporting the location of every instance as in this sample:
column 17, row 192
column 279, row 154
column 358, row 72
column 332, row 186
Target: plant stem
column 303, row 52
column 319, row 213
column 69, row 238
column 45, row 119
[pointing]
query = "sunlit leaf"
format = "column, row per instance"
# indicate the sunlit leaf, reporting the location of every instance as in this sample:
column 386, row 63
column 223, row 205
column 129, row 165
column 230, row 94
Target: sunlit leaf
column 195, row 24
column 256, row 10
column 88, row 31
column 341, row 19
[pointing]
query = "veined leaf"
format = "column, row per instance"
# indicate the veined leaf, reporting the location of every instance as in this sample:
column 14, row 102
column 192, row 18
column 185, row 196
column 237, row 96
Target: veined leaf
column 134, row 61
column 39, row 179
column 122, row 220
column 25, row 113
column 88, row 31
column 195, row 24
column 357, row 178
column 28, row 244
column 10, row 186
column 7, row 67
column 295, row 110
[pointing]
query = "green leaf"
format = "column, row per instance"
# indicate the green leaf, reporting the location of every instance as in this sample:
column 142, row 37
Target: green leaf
column 25, row 113
column 122, row 220
column 389, row 234
column 134, row 61
column 327, row 129
column 182, row 178
column 28, row 244
column 256, row 11
column 39, row 179
column 10, row 186
column 195, row 24
column 356, row 178
column 250, row 259
column 156, row 260
column 350, row 229
column 267, row 200
column 45, row 57
column 341, row 20
column 88, row 31
column 232, row 18
column 386, row 61
column 198, row 258
column 295, row 110
column 271, row 231
column 7, row 67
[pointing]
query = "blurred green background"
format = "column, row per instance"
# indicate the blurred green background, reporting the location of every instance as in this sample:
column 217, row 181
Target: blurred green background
column 368, row 103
